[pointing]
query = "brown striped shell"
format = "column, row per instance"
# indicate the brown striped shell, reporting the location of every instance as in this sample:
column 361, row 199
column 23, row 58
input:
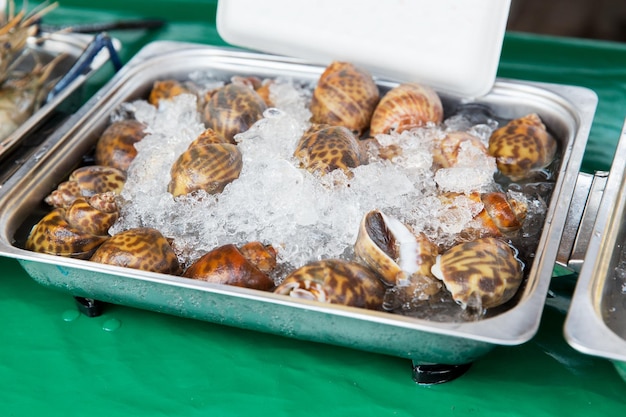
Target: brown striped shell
column 262, row 87
column 208, row 164
column 232, row 109
column 344, row 96
column 324, row 148
column 86, row 182
column 481, row 274
column 335, row 281
column 446, row 151
column 394, row 252
column 75, row 231
column 141, row 248
column 248, row 266
column 508, row 214
column 405, row 107
column 116, row 145
column 522, row 147
column 166, row 90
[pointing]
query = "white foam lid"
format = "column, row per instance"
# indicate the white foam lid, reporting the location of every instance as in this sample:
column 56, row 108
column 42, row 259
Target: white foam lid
column 452, row 45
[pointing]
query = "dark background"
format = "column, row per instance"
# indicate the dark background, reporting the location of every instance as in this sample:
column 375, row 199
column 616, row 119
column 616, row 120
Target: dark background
column 593, row 19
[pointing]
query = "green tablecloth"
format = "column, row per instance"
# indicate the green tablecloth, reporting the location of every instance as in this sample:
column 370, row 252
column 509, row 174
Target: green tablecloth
column 130, row 362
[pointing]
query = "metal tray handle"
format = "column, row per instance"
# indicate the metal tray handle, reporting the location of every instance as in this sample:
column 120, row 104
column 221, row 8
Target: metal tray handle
column 580, row 219
column 583, row 211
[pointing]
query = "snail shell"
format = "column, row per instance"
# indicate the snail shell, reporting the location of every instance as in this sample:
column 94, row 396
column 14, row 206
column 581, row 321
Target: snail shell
column 508, row 214
column 86, row 182
column 247, row 266
column 521, row 147
column 483, row 273
column 75, row 231
column 393, row 251
column 208, row 164
column 448, row 152
column 232, row 109
column 405, row 107
column 324, row 148
column 116, row 146
column 335, row 281
column 141, row 248
column 262, row 87
column 166, row 90
column 499, row 214
column 344, row 96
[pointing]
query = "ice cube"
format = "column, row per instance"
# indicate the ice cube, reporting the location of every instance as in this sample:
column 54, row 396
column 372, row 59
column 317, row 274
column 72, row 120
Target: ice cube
column 464, row 180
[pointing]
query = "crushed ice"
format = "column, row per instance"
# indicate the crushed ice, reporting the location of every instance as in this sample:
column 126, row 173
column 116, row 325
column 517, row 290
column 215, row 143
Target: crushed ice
column 304, row 216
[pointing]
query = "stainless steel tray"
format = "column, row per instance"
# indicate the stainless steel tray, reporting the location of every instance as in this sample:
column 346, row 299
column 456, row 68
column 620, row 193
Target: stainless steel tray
column 567, row 110
column 596, row 320
column 45, row 48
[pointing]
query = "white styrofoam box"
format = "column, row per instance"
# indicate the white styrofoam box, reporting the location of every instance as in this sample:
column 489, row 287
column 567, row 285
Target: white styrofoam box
column 451, row 45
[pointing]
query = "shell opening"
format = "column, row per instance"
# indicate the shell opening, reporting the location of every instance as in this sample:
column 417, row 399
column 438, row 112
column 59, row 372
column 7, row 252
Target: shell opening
column 406, row 242
column 305, row 290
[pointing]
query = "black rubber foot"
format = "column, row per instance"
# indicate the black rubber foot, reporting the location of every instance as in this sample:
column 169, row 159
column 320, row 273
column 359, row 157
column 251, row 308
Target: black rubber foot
column 438, row 374
column 89, row 307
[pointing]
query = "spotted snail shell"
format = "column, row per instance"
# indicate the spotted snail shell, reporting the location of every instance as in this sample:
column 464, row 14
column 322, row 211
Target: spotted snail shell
column 75, row 231
column 247, row 266
column 344, row 96
column 232, row 109
column 324, row 148
column 481, row 274
column 405, row 107
column 208, row 164
column 393, row 251
column 335, row 281
column 522, row 147
column 86, row 182
column 141, row 248
column 116, row 145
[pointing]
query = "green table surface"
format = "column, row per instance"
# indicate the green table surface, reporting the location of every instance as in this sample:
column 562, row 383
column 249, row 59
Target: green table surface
column 131, row 362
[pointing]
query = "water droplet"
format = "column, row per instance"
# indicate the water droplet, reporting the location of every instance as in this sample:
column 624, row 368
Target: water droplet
column 111, row 325
column 70, row 315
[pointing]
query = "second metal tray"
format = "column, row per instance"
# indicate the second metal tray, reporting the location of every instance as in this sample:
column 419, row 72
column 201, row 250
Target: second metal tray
column 596, row 320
